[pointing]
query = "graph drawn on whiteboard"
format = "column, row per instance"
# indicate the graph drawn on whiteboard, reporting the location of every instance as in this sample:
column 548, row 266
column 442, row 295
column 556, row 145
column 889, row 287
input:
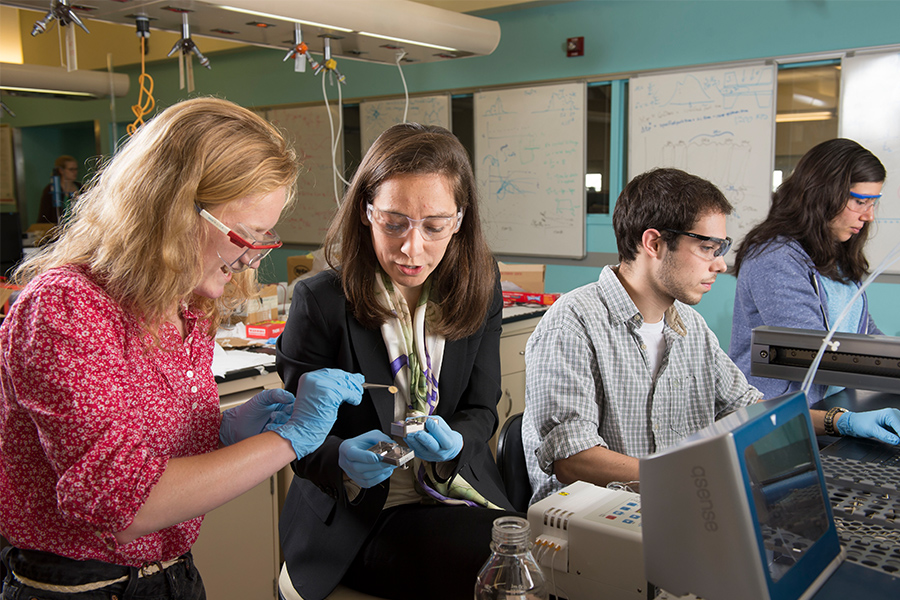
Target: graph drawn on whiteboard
column 307, row 128
column 717, row 124
column 873, row 120
column 378, row 115
column 530, row 164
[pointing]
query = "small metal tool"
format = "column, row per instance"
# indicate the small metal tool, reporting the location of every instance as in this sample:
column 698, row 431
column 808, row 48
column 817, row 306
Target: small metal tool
column 391, row 388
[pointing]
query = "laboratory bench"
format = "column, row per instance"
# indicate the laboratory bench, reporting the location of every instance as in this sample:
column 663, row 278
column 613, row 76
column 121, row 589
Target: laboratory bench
column 859, row 400
column 863, row 482
column 238, row 552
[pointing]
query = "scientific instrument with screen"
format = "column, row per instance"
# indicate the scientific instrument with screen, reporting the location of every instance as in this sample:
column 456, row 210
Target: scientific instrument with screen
column 740, row 511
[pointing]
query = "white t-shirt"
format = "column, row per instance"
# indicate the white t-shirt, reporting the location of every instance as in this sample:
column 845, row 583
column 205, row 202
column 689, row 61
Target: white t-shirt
column 654, row 344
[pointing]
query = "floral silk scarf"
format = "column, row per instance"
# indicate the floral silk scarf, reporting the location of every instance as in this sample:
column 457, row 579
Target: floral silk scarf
column 415, row 355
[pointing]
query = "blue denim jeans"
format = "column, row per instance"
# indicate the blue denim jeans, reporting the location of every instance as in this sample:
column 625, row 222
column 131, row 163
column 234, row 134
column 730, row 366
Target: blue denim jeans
column 178, row 582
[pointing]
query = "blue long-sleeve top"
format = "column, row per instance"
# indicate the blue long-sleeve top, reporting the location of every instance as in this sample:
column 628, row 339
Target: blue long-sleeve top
column 780, row 286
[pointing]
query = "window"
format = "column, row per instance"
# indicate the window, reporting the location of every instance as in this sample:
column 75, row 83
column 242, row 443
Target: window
column 597, row 179
column 462, row 116
column 352, row 140
column 806, row 112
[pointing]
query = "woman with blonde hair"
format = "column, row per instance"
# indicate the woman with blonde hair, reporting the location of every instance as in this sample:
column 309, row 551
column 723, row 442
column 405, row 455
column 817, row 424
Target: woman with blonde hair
column 111, row 442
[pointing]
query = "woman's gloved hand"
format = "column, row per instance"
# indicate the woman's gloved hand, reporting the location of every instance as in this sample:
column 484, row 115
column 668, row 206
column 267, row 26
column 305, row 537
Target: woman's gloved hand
column 362, row 466
column 319, row 395
column 881, row 425
column 437, row 443
column 251, row 417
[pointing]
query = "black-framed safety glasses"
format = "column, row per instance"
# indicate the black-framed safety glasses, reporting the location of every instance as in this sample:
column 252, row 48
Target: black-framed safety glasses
column 711, row 248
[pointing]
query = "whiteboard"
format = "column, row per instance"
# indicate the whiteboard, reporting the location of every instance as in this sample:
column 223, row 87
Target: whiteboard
column 718, row 124
column 378, row 115
column 308, row 129
column 870, row 115
column 530, row 163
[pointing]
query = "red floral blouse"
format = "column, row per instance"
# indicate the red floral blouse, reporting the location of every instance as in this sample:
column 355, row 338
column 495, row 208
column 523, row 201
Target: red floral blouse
column 91, row 412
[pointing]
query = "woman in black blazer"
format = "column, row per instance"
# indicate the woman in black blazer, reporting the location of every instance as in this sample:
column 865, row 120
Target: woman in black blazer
column 414, row 300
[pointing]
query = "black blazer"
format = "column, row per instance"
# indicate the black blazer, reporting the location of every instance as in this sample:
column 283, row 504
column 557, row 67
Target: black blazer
column 321, row 529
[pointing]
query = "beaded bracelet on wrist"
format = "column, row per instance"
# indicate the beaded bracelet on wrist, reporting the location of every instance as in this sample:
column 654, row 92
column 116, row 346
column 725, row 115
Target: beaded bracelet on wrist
column 829, row 420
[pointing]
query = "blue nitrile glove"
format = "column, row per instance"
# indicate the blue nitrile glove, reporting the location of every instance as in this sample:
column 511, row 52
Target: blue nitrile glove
column 438, row 443
column 362, row 466
column 251, row 417
column 319, row 395
column 280, row 416
column 881, row 425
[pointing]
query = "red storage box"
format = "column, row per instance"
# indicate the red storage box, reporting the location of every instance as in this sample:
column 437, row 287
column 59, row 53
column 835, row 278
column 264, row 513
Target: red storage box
column 265, row 329
column 529, row 298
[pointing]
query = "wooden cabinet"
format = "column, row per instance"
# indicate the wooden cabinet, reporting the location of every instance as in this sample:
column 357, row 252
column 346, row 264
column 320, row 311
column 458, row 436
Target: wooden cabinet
column 512, row 369
column 238, row 553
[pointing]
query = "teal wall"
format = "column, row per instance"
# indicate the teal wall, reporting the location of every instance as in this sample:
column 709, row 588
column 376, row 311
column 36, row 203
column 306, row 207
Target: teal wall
column 621, row 37
column 43, row 144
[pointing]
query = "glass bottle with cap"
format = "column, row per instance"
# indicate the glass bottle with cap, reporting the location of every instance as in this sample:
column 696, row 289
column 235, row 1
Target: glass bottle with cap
column 511, row 573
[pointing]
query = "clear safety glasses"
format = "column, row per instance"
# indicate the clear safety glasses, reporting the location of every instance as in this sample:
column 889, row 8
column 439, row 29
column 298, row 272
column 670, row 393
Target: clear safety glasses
column 711, row 248
column 256, row 246
column 397, row 225
column 862, row 203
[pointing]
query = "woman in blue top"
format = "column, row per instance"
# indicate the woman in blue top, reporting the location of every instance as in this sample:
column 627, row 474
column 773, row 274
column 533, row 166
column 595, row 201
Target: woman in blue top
column 801, row 266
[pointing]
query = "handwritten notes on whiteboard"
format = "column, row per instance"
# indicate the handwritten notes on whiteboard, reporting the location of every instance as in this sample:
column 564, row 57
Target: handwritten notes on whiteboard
column 307, row 128
column 717, row 124
column 530, row 164
column 870, row 115
column 378, row 115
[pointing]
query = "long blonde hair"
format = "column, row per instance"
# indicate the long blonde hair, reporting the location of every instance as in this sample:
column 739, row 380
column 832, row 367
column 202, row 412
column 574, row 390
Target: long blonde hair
column 137, row 227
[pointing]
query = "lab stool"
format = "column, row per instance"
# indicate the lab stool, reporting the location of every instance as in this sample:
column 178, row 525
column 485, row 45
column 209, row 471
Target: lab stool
column 286, row 590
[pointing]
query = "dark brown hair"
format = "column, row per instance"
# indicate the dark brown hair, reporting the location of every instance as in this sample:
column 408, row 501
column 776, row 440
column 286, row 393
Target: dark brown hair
column 663, row 199
column 463, row 283
column 807, row 201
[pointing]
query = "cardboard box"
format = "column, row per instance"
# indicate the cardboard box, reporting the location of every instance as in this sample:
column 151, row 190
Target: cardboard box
column 262, row 307
column 38, row 233
column 237, row 343
column 524, row 278
column 298, row 265
column 265, row 329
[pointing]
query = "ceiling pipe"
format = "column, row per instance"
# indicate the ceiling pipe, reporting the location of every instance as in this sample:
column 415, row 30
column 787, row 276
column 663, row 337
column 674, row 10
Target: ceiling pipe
column 57, row 81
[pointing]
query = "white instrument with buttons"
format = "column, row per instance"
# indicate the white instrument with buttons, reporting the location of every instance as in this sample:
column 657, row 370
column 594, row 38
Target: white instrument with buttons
column 588, row 543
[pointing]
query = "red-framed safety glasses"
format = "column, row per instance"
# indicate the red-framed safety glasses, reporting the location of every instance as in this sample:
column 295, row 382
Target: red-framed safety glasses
column 256, row 246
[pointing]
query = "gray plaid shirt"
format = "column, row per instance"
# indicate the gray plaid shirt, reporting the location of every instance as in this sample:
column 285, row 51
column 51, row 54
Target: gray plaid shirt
column 588, row 380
